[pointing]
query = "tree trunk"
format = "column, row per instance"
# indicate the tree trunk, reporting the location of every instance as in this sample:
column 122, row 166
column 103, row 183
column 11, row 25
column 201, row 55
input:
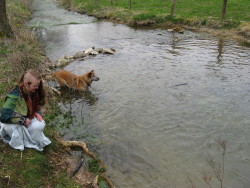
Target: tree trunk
column 172, row 8
column 130, row 4
column 111, row 3
column 224, row 9
column 5, row 29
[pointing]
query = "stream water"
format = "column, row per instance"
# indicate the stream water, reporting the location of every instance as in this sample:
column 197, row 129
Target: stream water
column 162, row 102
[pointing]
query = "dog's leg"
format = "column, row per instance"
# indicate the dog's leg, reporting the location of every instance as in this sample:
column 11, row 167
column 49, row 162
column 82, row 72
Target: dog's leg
column 52, row 89
column 61, row 82
column 81, row 89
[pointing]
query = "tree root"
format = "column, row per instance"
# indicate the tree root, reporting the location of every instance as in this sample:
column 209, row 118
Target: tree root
column 80, row 144
column 95, row 182
column 84, row 147
column 108, row 181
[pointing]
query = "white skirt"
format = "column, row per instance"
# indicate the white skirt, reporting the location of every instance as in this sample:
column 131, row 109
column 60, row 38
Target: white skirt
column 18, row 136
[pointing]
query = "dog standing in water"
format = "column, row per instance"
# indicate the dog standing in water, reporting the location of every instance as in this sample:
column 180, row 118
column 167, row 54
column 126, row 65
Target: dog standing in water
column 80, row 83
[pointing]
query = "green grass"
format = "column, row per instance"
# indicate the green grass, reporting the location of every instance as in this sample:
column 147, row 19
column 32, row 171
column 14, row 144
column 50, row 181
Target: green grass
column 30, row 168
column 187, row 12
column 236, row 9
column 3, row 49
column 140, row 17
column 19, row 12
column 94, row 166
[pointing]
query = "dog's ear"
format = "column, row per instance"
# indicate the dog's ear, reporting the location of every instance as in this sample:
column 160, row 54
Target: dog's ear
column 92, row 70
column 90, row 74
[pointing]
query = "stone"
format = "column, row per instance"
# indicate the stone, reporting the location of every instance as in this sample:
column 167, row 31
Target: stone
column 178, row 29
column 88, row 50
column 108, row 51
column 99, row 50
column 79, row 55
column 62, row 62
column 68, row 57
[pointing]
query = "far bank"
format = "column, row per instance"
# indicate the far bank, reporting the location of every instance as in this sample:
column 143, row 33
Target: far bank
column 200, row 16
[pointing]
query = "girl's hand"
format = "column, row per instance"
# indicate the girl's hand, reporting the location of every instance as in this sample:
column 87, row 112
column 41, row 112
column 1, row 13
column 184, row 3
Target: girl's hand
column 39, row 117
column 28, row 121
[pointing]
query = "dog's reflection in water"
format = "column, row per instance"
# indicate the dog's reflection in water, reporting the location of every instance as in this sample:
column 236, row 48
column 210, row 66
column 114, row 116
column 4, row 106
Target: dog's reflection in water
column 70, row 96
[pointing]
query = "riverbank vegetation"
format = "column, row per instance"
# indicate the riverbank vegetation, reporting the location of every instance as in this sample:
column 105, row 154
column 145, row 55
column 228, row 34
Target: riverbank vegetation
column 29, row 168
column 21, row 51
column 18, row 52
column 193, row 14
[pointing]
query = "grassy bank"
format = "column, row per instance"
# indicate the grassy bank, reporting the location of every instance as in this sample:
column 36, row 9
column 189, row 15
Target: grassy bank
column 54, row 166
column 238, row 10
column 20, row 52
column 192, row 13
column 29, row 168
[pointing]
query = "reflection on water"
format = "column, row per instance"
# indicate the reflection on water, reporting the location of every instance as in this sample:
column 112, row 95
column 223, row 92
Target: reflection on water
column 162, row 102
column 220, row 48
column 70, row 96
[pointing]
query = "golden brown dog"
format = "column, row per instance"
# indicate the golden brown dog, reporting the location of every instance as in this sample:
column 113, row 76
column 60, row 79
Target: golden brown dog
column 80, row 83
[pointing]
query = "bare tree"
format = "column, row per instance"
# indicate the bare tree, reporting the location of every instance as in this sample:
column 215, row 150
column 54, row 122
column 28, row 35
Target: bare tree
column 224, row 9
column 5, row 28
column 172, row 8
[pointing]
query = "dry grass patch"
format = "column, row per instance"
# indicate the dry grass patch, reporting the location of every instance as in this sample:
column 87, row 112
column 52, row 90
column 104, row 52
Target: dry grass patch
column 244, row 29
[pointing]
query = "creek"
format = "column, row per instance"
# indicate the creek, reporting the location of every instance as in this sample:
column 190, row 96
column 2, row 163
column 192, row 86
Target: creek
column 162, row 102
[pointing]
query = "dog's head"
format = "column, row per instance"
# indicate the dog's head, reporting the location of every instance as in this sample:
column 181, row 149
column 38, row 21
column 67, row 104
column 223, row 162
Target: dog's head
column 92, row 76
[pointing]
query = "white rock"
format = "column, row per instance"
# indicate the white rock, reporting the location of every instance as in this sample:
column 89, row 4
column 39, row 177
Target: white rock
column 108, row 51
column 93, row 52
column 68, row 57
column 88, row 50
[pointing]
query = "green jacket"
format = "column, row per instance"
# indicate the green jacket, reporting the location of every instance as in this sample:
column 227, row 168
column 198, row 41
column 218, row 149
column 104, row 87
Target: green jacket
column 14, row 110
